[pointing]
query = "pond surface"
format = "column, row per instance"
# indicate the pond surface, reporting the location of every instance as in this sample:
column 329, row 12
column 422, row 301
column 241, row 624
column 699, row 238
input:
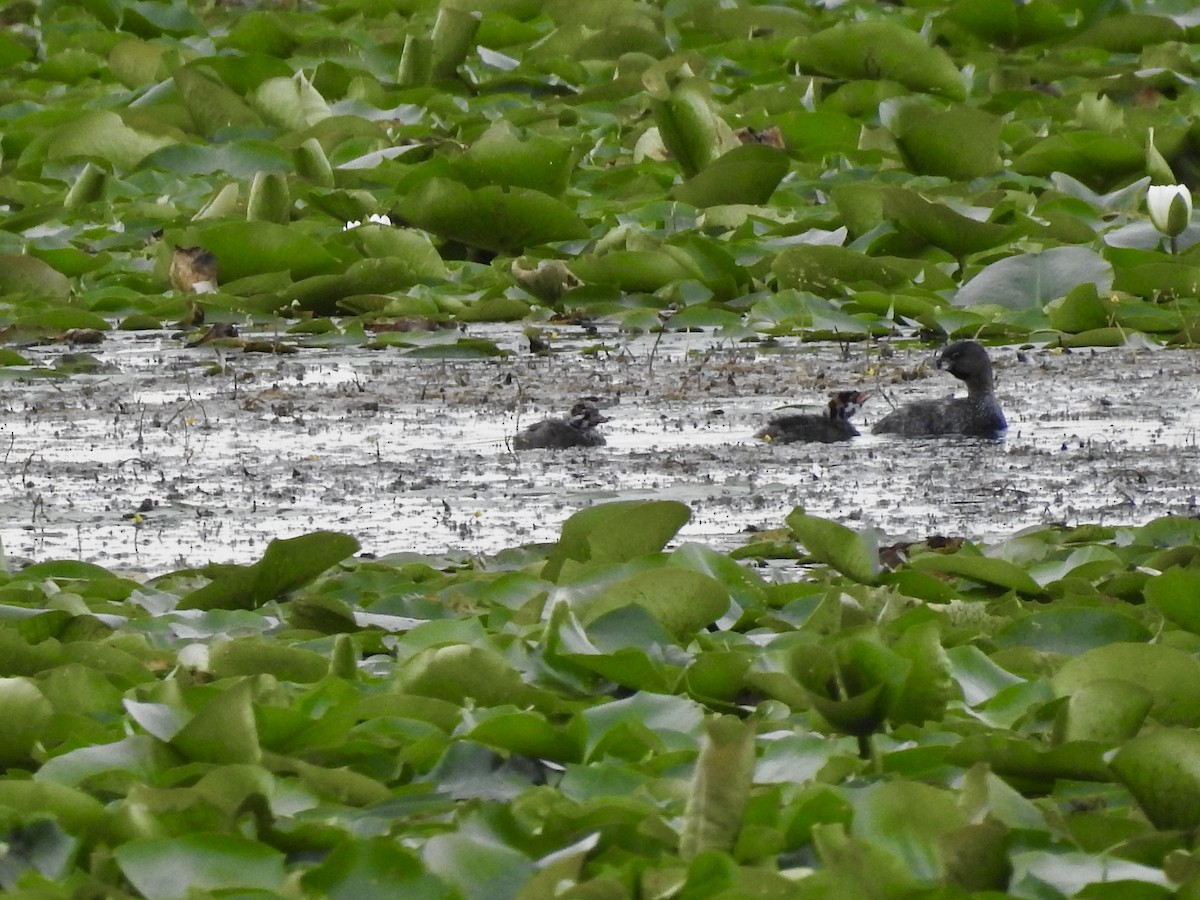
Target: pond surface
column 412, row 455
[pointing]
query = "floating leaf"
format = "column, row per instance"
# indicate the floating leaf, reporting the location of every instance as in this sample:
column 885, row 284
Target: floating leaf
column 875, row 50
column 941, row 225
column 643, row 271
column 26, row 711
column 690, row 126
column 747, row 174
column 102, row 134
column 1071, row 631
column 504, row 156
column 210, row 103
column 243, row 249
column 1171, row 677
column 253, row 656
column 683, row 601
column 31, row 277
column 962, row 142
column 285, row 566
column 615, row 532
column 1107, row 711
column 1162, row 771
column 223, row 731
column 291, row 103
column 1175, row 592
column 720, row 787
column 852, row 553
column 174, row 868
column 493, row 218
column 1033, row 279
column 361, row 867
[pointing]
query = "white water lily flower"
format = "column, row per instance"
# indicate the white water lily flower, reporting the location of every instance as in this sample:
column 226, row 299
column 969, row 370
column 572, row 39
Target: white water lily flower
column 372, row 219
column 1170, row 207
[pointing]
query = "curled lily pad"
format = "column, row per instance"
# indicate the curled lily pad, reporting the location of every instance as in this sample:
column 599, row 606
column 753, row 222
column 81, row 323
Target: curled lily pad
column 690, row 126
column 720, row 787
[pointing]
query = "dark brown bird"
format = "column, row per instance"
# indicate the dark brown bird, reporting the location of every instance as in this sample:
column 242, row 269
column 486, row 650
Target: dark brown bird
column 977, row 414
column 827, row 427
column 576, row 430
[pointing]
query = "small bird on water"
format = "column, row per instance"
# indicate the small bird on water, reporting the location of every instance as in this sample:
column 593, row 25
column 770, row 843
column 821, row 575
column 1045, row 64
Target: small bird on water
column 827, row 427
column 576, row 430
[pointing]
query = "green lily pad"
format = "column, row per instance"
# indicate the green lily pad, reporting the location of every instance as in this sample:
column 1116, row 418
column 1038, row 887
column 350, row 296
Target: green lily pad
column 1171, row 677
column 747, row 174
column 1033, row 279
column 1162, row 770
column 173, row 868
column 874, row 50
column 493, row 218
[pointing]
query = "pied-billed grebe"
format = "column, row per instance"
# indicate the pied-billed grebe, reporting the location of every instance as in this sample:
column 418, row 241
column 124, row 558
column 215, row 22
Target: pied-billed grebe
column 577, row 430
column 827, row 427
column 978, row 413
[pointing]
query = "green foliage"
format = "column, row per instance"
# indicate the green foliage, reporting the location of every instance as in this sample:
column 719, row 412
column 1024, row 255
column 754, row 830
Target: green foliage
column 656, row 717
column 989, row 156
